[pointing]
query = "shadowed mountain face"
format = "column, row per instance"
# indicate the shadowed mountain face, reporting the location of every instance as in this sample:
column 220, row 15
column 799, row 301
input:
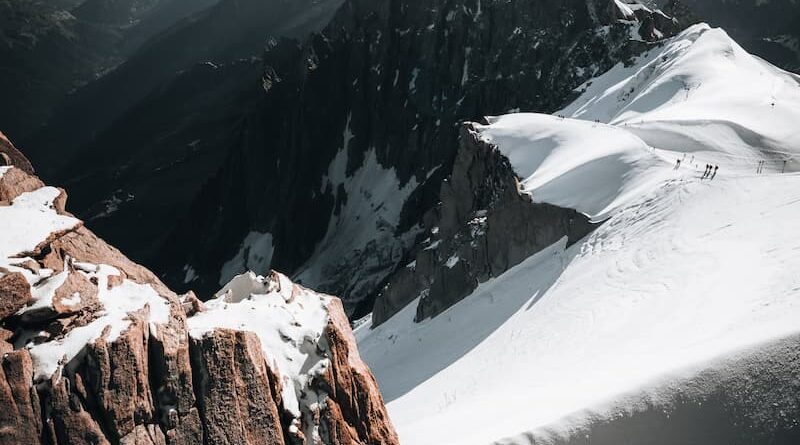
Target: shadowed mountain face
column 226, row 32
column 50, row 48
column 321, row 159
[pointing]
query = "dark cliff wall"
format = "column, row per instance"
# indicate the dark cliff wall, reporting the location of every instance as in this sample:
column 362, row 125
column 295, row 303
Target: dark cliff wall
column 392, row 79
column 483, row 227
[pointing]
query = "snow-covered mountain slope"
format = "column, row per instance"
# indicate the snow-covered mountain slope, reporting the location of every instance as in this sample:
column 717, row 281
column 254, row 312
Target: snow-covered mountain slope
column 688, row 277
column 701, row 92
column 588, row 166
column 687, row 274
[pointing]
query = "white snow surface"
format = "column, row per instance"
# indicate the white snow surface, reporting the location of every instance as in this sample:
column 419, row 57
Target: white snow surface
column 289, row 321
column 684, row 271
column 29, row 220
column 255, row 253
column 686, row 274
column 43, row 291
column 699, row 93
column 26, row 223
column 591, row 167
column 363, row 231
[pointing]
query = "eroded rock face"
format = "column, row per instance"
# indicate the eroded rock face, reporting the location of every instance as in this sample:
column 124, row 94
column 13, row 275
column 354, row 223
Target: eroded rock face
column 351, row 416
column 365, row 116
column 9, row 155
column 96, row 350
column 16, row 293
column 239, row 393
column 282, row 160
column 483, row 227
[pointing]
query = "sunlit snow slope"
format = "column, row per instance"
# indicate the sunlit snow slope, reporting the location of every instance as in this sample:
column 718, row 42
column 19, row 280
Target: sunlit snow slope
column 588, row 166
column 685, row 272
column 703, row 93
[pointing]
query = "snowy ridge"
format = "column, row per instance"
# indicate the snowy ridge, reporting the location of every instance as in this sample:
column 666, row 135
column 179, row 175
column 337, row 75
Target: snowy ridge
column 28, row 221
column 664, row 285
column 698, row 93
column 681, row 274
column 590, row 167
column 88, row 335
column 118, row 302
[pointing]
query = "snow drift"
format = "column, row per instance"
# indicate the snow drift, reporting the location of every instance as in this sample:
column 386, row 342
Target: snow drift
column 688, row 278
column 698, row 93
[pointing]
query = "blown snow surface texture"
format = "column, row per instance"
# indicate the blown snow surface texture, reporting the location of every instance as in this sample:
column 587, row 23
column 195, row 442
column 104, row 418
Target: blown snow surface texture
column 590, row 167
column 685, row 271
column 701, row 92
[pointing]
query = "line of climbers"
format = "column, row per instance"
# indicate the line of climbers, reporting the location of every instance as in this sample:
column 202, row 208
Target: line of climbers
column 709, row 173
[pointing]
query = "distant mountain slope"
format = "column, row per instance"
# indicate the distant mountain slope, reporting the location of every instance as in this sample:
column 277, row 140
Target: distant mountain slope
column 50, row 48
column 674, row 321
column 226, row 32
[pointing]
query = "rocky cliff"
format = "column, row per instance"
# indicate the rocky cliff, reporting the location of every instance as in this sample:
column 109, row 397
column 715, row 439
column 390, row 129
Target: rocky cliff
column 322, row 158
column 483, row 226
column 96, row 349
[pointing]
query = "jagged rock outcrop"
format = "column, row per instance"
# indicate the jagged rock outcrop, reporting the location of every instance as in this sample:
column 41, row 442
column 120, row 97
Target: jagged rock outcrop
column 96, row 349
column 483, row 226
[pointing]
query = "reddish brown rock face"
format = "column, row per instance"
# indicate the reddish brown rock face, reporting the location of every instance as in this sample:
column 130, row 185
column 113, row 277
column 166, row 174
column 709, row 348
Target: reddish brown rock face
column 143, row 379
column 15, row 293
column 356, row 413
column 9, row 155
column 235, row 386
column 16, row 182
column 20, row 418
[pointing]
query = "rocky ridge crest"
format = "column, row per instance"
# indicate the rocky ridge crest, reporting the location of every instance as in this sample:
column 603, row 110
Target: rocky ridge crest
column 96, row 349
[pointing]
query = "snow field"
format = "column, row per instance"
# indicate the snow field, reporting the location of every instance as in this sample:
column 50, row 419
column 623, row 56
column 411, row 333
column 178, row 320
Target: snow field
column 684, row 271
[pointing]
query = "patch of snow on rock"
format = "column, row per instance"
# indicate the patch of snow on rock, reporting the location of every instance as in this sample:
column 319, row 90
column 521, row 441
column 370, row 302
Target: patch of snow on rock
column 117, row 302
column 30, row 220
column 288, row 319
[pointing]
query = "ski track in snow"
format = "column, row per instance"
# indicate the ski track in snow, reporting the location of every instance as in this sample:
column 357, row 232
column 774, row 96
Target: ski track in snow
column 685, row 271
